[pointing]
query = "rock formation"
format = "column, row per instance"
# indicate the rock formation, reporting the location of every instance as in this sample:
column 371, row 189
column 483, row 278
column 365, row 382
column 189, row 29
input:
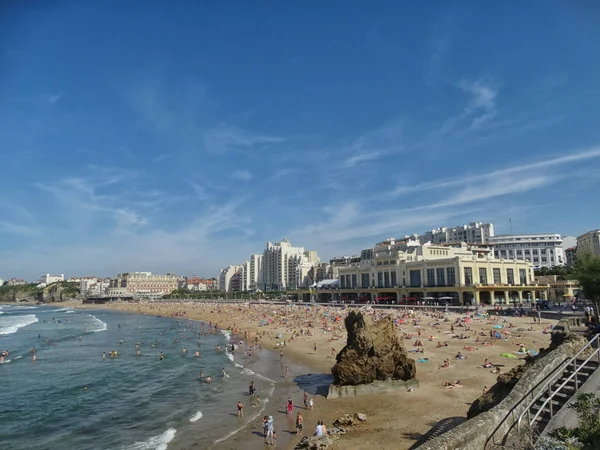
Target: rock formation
column 373, row 352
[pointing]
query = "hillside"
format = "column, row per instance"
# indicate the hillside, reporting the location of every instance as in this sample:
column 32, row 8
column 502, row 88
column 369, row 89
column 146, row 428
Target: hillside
column 54, row 292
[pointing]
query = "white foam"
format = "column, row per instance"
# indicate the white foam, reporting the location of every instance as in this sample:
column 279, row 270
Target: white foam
column 98, row 324
column 239, row 365
column 70, row 312
column 160, row 442
column 226, row 333
column 230, row 356
column 25, row 307
column 257, row 375
column 1, row 312
column 6, row 361
column 11, row 324
column 61, row 310
column 18, row 357
column 196, row 416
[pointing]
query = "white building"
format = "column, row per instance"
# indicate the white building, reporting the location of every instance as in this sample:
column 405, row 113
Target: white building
column 283, row 268
column 49, row 278
column 225, row 277
column 146, row 283
column 473, row 233
column 589, row 243
column 252, row 273
column 542, row 250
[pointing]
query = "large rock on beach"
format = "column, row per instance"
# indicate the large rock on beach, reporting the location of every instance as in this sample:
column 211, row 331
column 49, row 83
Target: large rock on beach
column 373, row 352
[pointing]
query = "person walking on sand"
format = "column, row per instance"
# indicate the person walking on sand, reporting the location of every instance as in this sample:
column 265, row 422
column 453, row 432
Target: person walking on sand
column 305, row 400
column 290, row 405
column 287, row 372
column 240, row 408
column 311, row 404
column 265, row 427
column 270, row 430
column 299, row 424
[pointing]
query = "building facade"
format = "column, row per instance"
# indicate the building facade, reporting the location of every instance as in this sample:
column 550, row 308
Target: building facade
column 199, row 284
column 457, row 273
column 50, row 278
column 283, row 268
column 542, row 250
column 225, row 277
column 474, row 232
column 589, row 243
column 146, row 283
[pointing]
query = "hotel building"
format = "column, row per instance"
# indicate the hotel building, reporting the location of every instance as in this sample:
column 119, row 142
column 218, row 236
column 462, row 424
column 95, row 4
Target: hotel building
column 542, row 250
column 146, row 283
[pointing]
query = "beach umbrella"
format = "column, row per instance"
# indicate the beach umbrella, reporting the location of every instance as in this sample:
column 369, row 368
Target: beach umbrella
column 428, row 298
column 446, row 298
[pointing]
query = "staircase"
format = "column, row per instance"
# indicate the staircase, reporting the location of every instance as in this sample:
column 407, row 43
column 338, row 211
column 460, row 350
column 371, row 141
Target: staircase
column 559, row 389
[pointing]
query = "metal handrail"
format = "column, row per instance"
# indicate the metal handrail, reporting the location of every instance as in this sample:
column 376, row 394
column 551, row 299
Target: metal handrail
column 547, row 386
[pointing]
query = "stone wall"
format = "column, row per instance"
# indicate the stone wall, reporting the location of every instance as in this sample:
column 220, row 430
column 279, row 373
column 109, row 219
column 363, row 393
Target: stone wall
column 376, row 387
column 489, row 428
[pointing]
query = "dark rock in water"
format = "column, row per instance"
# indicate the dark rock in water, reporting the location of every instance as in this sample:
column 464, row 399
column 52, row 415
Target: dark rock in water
column 373, row 352
column 316, row 442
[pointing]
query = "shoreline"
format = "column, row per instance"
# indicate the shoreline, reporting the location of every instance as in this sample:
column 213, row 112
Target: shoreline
column 397, row 420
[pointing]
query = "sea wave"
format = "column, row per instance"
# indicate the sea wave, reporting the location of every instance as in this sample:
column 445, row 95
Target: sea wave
column 160, row 442
column 226, row 333
column 70, row 312
column 61, row 310
column 98, row 325
column 25, row 307
column 251, row 373
column 196, row 416
column 11, row 324
column 230, row 356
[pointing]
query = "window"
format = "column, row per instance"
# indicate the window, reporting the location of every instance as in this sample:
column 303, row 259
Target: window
column 386, row 277
column 364, row 281
column 523, row 276
column 483, row 275
column 354, row 280
column 451, row 276
column 468, row 276
column 379, row 279
column 497, row 279
column 440, row 277
column 394, row 279
column 430, row 277
column 415, row 278
column 510, row 276
column 343, row 281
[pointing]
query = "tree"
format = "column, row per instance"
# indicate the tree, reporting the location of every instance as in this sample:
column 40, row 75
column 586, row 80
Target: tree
column 587, row 272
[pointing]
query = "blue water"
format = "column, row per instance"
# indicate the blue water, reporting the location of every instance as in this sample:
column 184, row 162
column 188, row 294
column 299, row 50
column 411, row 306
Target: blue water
column 131, row 402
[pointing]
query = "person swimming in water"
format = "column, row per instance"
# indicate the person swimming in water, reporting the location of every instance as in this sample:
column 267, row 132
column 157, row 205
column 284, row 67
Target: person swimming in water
column 162, row 356
column 223, row 370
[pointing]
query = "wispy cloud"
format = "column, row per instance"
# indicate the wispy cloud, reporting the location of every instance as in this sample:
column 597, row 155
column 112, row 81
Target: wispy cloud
column 242, row 175
column 228, row 138
column 19, row 229
column 200, row 191
column 54, row 98
column 480, row 108
column 361, row 157
column 440, row 46
column 499, row 176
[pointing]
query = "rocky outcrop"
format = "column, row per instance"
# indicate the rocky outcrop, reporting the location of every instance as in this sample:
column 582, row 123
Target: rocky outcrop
column 373, row 352
column 349, row 419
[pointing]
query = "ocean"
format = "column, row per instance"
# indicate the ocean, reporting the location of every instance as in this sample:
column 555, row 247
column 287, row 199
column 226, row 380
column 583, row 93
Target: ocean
column 71, row 397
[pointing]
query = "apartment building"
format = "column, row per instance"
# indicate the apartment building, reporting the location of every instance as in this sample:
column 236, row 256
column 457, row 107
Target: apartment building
column 283, row 266
column 225, row 278
column 589, row 243
column 542, row 250
column 474, row 232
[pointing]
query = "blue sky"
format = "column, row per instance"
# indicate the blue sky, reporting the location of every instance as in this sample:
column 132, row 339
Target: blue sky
column 183, row 136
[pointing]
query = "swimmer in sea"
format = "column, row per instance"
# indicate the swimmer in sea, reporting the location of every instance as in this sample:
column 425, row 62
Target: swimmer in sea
column 139, row 353
column 103, row 355
column 218, row 348
column 162, row 356
column 208, row 380
column 223, row 370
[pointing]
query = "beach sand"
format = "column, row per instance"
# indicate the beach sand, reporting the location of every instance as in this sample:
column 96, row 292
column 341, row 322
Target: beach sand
column 395, row 421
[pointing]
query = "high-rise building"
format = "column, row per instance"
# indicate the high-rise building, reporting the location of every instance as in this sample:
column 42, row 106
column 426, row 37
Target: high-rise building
column 473, row 233
column 589, row 243
column 285, row 266
column 542, row 250
column 225, row 278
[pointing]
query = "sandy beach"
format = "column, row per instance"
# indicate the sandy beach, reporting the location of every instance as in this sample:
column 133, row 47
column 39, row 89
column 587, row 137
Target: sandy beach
column 313, row 335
